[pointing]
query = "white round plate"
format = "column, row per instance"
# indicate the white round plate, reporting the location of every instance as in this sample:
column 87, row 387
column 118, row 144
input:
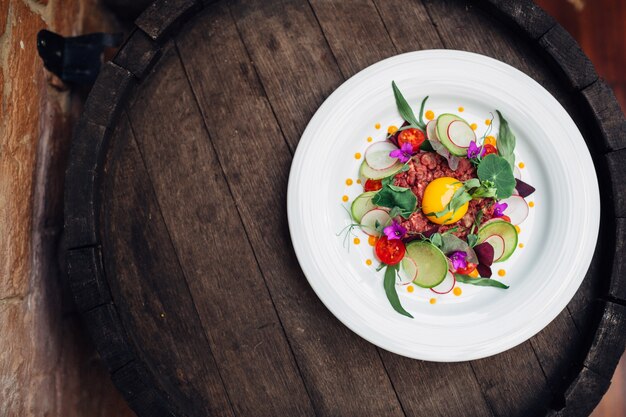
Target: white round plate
column 559, row 236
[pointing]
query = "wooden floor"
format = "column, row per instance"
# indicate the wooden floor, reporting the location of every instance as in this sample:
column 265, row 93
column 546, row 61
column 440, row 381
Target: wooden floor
column 599, row 28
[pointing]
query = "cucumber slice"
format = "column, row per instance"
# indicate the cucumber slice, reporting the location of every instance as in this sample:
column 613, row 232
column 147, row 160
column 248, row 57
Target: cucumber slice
column 408, row 272
column 504, row 230
column 377, row 174
column 432, row 264
column 374, row 221
column 361, row 205
column 443, row 133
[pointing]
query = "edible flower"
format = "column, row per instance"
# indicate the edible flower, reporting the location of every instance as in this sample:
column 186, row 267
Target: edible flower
column 498, row 209
column 394, row 231
column 474, row 151
column 403, row 154
column 459, row 259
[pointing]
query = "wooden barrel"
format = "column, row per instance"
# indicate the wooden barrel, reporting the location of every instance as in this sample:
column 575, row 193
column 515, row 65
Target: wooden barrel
column 179, row 252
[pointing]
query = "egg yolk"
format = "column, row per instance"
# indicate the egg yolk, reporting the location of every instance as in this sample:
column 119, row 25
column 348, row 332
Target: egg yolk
column 437, row 195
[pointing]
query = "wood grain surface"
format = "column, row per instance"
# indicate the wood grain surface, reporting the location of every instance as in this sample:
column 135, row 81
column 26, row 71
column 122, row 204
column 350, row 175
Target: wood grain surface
column 209, row 312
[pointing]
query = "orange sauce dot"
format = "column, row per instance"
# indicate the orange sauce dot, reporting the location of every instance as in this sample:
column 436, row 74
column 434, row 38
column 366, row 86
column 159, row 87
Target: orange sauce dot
column 344, row 198
column 501, row 272
column 521, row 245
column 358, row 181
column 377, row 125
column 531, row 204
column 461, row 109
column 521, row 165
column 357, row 156
column 372, row 240
column 368, row 262
column 474, row 126
column 433, row 300
column 490, row 140
column 392, row 129
column 457, row 291
column 369, row 139
column 518, row 229
column 410, row 288
column 349, row 181
column 430, row 115
column 357, row 240
column 488, row 122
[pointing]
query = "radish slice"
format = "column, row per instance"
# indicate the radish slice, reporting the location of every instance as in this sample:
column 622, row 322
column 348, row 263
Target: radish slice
column 431, row 130
column 372, row 218
column 408, row 272
column 497, row 243
column 461, row 134
column 517, row 208
column 517, row 174
column 446, row 285
column 377, row 155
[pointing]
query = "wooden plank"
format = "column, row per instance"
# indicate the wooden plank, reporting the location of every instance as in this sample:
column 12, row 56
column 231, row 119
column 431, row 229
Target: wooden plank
column 601, row 102
column 560, row 362
column 138, row 54
column 108, row 335
column 409, row 26
column 355, row 33
column 108, row 94
column 568, row 57
column 299, row 71
column 163, row 17
column 134, row 381
column 435, row 389
column 338, row 18
column 616, row 163
column 617, row 287
column 584, row 394
column 149, row 287
column 238, row 316
column 513, row 382
column 609, row 341
column 529, row 18
column 343, row 372
column 86, row 279
column 81, row 184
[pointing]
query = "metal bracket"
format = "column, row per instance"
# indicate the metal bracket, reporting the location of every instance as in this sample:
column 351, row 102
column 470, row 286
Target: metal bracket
column 75, row 59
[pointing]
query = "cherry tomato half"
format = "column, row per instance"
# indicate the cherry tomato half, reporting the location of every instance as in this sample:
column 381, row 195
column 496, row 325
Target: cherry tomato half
column 467, row 270
column 413, row 136
column 390, row 252
column 490, row 149
column 373, row 185
column 506, row 218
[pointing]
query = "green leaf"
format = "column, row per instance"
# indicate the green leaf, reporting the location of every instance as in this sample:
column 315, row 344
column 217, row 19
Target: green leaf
column 472, row 183
column 403, row 107
column 390, row 290
column 484, row 192
column 451, row 243
column 481, row 282
column 436, row 239
column 497, row 170
column 422, row 125
column 506, row 141
column 396, row 211
column 459, row 198
column 426, row 146
column 391, row 196
column 472, row 239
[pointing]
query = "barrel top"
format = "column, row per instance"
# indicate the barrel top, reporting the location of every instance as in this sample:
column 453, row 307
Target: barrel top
column 179, row 252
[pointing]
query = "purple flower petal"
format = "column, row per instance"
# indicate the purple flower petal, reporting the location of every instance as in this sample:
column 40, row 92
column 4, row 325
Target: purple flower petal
column 459, row 259
column 407, row 148
column 394, row 231
column 474, row 151
column 498, row 209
